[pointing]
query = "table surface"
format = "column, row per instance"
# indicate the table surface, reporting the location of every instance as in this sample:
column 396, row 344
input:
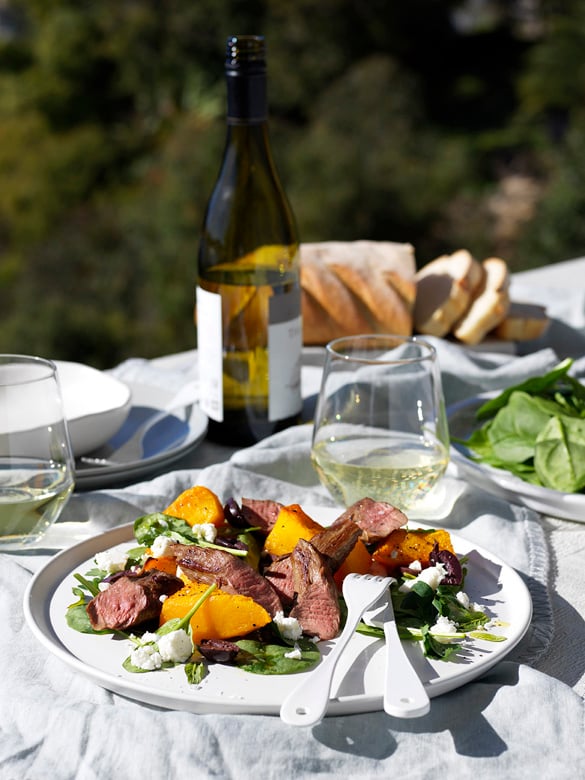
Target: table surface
column 566, row 539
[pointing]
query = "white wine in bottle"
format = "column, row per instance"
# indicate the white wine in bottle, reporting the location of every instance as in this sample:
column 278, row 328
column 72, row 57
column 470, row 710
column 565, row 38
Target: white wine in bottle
column 249, row 333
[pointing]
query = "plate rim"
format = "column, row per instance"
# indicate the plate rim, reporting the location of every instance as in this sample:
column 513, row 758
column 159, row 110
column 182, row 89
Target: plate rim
column 569, row 506
column 96, row 476
column 44, row 585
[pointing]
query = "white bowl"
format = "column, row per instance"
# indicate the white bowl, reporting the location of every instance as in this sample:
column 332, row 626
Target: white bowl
column 96, row 405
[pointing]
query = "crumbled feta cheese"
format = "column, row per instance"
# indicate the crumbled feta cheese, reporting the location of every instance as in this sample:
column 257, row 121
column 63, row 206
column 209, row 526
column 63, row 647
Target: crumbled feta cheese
column 146, row 657
column 443, row 628
column 111, row 561
column 160, row 546
column 289, row 628
column 207, row 532
column 149, row 636
column 162, row 598
column 175, row 646
column 294, row 653
column 463, row 599
column 444, row 625
column 103, row 586
column 415, row 566
column 433, row 575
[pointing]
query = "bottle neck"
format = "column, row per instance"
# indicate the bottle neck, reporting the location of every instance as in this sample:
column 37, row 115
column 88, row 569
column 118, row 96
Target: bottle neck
column 247, row 102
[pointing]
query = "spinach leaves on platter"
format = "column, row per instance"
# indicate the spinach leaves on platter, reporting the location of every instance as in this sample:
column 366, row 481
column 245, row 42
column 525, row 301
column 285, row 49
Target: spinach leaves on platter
column 536, row 430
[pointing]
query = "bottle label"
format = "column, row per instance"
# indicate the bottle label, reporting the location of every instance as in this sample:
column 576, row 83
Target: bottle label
column 210, row 352
column 285, row 343
column 285, row 340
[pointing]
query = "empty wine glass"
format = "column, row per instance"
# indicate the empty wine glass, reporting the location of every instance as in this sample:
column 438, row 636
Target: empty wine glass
column 36, row 462
column 380, row 423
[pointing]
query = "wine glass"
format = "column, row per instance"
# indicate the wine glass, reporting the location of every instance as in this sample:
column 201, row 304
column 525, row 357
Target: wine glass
column 380, row 424
column 36, row 461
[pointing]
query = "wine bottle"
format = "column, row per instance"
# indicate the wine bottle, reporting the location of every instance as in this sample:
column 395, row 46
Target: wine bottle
column 248, row 290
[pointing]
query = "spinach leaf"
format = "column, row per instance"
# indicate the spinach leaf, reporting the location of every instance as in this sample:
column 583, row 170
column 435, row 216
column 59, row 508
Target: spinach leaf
column 195, row 672
column 533, row 385
column 148, row 527
column 515, row 428
column 559, row 457
column 260, row 658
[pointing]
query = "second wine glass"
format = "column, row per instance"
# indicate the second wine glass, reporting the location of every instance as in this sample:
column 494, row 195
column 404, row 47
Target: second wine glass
column 380, row 423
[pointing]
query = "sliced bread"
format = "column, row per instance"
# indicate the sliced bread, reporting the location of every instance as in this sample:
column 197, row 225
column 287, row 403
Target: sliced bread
column 444, row 290
column 489, row 304
column 523, row 322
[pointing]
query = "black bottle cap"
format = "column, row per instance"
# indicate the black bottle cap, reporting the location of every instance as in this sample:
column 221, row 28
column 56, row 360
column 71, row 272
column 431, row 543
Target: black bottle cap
column 245, row 68
column 246, row 53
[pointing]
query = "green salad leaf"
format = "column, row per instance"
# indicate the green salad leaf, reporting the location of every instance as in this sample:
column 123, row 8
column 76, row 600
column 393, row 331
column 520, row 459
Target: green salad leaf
column 536, row 431
column 260, row 658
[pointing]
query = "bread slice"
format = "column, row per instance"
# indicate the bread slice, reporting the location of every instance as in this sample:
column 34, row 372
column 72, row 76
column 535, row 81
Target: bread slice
column 444, row 290
column 523, row 322
column 489, row 305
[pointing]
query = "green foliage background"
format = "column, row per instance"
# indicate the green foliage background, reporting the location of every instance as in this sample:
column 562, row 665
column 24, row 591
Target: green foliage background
column 389, row 121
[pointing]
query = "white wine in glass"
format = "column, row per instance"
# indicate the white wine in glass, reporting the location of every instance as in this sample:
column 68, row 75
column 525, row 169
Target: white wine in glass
column 380, row 424
column 36, row 462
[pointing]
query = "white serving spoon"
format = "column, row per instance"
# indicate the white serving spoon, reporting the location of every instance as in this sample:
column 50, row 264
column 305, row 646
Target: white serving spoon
column 404, row 694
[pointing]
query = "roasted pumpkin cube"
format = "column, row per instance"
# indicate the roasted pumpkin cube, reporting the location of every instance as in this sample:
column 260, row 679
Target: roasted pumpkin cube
column 402, row 547
column 197, row 505
column 359, row 561
column 291, row 525
column 221, row 616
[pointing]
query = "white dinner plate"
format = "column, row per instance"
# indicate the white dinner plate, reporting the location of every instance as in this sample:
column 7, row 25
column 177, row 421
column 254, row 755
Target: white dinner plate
column 358, row 681
column 171, row 436
column 461, row 417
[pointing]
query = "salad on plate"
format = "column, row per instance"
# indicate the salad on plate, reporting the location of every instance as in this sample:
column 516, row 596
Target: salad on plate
column 256, row 585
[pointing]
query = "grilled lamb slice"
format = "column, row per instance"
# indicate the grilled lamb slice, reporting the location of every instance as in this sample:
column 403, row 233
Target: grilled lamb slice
column 376, row 519
column 337, row 541
column 280, row 575
column 131, row 600
column 334, row 543
column 227, row 571
column 261, row 513
column 317, row 607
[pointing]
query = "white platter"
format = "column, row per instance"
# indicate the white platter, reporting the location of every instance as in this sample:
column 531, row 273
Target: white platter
column 95, row 404
column 357, row 684
column 461, row 417
column 167, row 437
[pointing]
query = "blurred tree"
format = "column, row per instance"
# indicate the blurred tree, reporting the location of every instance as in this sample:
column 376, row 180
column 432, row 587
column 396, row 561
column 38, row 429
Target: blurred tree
column 446, row 124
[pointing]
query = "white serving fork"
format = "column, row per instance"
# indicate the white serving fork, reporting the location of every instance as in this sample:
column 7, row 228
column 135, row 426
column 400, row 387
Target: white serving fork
column 306, row 704
column 404, row 694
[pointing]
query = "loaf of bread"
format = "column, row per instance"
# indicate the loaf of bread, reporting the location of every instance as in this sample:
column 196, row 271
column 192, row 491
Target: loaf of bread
column 374, row 287
column 356, row 287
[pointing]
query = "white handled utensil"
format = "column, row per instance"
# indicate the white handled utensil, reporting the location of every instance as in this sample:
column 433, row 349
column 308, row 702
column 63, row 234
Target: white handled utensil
column 307, row 703
column 404, row 693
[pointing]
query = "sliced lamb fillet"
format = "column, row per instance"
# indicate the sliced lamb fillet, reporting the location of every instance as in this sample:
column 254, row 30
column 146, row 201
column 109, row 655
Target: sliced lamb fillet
column 337, row 541
column 317, row 607
column 131, row 600
column 261, row 513
column 376, row 519
column 227, row 571
column 280, row 575
column 334, row 543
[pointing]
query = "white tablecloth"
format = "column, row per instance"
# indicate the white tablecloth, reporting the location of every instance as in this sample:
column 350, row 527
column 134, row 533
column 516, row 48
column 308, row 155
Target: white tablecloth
column 522, row 719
